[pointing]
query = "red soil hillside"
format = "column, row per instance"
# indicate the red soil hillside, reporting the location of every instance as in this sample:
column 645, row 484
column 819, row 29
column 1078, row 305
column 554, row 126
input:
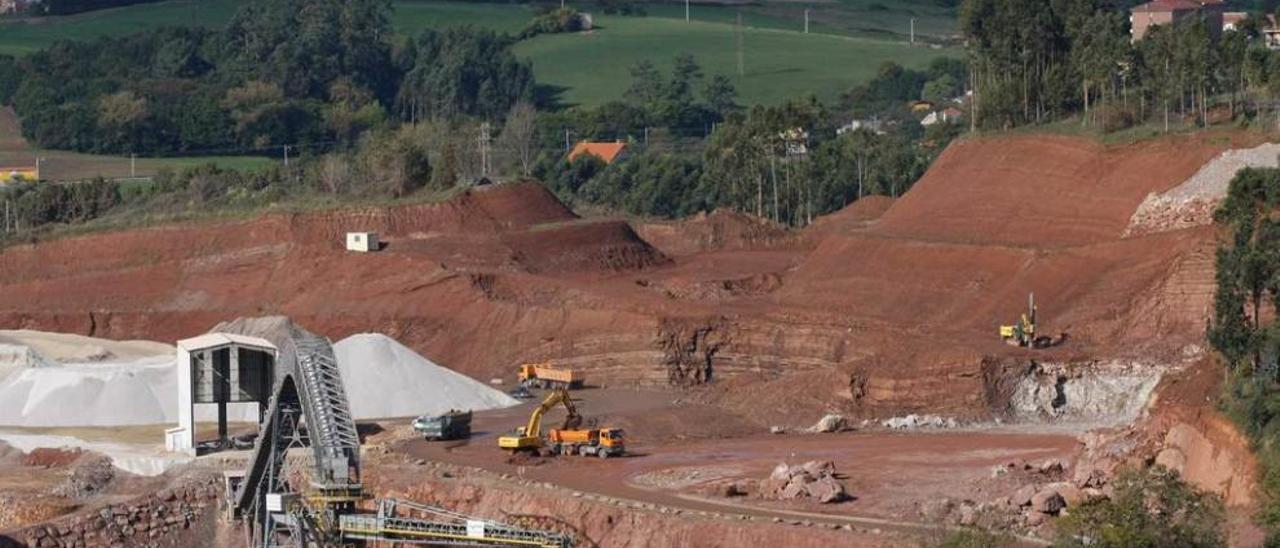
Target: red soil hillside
column 873, row 310
column 1043, row 191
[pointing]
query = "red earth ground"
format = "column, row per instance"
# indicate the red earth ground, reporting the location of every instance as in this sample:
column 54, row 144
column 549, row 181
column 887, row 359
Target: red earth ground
column 885, row 308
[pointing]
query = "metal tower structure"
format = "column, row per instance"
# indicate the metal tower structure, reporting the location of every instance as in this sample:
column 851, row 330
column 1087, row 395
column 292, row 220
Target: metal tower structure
column 293, row 497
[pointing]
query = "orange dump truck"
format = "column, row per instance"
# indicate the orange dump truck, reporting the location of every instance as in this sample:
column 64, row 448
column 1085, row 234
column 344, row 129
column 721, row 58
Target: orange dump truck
column 603, row 443
column 545, row 375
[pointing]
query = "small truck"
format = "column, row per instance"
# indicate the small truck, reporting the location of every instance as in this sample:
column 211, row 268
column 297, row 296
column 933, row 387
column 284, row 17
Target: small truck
column 453, row 425
column 545, row 375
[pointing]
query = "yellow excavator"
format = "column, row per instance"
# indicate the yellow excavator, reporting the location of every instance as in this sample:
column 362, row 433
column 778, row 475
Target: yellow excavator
column 1023, row 333
column 569, row 439
column 528, row 438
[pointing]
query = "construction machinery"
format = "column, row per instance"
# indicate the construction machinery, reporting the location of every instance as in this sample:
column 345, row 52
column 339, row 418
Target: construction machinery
column 545, row 375
column 453, row 425
column 528, row 438
column 569, row 439
column 1023, row 332
column 602, row 442
column 312, row 498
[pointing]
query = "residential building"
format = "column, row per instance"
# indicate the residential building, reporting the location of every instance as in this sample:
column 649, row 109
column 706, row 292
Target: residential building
column 874, row 125
column 949, row 114
column 607, row 152
column 1166, row 12
column 1231, row 20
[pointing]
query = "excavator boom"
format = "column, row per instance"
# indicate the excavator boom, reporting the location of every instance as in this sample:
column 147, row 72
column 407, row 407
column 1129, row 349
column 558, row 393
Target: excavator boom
column 531, row 436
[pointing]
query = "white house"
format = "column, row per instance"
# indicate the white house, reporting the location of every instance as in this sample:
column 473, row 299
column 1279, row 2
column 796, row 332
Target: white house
column 363, row 242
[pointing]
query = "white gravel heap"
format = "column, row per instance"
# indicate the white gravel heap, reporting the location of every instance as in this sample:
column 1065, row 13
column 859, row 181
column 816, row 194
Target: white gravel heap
column 68, row 348
column 1192, row 202
column 384, row 379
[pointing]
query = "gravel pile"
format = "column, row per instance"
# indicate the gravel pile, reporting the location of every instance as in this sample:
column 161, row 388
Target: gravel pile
column 1192, row 202
column 385, row 379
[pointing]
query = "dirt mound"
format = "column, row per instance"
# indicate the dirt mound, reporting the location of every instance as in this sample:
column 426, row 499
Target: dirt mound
column 582, row 246
column 46, row 457
column 718, row 231
column 1043, row 191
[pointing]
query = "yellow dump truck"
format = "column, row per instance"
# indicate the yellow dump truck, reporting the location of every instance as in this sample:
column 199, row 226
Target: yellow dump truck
column 545, row 375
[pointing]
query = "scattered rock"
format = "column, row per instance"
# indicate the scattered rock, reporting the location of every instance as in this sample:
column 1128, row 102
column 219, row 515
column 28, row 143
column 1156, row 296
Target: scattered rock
column 1034, row 519
column 819, row 469
column 1022, row 497
column 813, row 479
column 919, row 421
column 1052, row 466
column 1048, row 501
column 1071, row 494
column 830, row 423
column 1173, row 459
column 968, row 515
column 827, row 490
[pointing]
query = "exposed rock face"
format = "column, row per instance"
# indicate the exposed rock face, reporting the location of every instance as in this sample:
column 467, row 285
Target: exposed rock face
column 148, row 520
column 688, row 346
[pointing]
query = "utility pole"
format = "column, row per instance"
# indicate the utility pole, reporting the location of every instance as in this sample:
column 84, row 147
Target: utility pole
column 913, row 31
column 686, row 11
column 737, row 29
column 566, row 139
column 133, row 165
column 483, row 143
column 806, row 20
column 286, row 155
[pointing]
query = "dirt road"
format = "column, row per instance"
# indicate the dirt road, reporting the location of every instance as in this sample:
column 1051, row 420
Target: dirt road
column 889, row 474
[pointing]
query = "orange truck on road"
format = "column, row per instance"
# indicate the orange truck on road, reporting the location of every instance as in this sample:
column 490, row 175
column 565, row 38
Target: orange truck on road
column 603, row 443
column 545, row 375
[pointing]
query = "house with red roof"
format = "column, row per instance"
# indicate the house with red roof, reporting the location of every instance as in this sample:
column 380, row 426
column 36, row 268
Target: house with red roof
column 1166, row 12
column 606, row 151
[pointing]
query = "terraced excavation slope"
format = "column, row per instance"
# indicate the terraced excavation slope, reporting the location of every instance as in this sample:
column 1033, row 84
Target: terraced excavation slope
column 884, row 308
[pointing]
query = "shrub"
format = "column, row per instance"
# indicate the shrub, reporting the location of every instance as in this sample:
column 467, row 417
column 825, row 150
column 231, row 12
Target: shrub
column 1149, row 508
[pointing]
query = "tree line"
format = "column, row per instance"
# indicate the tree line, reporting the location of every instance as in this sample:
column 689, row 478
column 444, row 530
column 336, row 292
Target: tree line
column 787, row 162
column 281, row 72
column 1044, row 60
column 1243, row 327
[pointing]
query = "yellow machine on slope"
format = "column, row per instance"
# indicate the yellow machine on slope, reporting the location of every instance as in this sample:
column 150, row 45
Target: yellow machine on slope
column 1023, row 333
column 569, row 439
column 529, row 436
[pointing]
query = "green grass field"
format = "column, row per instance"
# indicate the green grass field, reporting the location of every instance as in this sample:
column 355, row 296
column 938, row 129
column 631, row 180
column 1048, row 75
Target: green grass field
column 861, row 18
column 778, row 64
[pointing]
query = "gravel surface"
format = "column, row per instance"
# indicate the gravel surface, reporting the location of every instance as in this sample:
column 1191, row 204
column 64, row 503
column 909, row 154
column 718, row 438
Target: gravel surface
column 1192, row 202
